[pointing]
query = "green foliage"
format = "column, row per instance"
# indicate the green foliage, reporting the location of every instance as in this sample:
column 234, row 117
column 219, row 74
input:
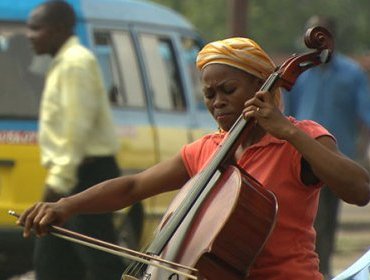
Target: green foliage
column 208, row 16
column 278, row 25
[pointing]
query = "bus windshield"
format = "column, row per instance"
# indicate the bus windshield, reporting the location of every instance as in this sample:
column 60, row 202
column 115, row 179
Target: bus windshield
column 22, row 73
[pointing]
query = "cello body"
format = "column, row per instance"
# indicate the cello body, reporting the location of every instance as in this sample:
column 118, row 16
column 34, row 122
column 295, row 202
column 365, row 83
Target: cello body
column 227, row 232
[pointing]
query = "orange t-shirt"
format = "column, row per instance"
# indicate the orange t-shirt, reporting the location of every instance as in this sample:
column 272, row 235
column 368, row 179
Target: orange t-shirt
column 276, row 164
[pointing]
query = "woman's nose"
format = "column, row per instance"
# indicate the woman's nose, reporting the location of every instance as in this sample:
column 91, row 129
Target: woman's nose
column 219, row 100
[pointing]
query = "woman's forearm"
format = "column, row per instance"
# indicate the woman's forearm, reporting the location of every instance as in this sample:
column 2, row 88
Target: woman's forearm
column 108, row 196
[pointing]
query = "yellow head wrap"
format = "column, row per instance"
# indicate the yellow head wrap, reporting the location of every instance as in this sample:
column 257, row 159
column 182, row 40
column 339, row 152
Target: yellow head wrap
column 241, row 53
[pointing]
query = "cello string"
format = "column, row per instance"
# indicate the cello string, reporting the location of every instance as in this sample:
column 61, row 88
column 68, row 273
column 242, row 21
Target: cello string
column 139, row 268
column 135, row 269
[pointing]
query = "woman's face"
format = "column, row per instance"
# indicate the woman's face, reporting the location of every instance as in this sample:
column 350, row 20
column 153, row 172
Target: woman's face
column 225, row 89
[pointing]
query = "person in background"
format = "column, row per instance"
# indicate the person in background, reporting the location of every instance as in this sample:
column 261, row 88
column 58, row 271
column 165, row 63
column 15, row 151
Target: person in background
column 337, row 96
column 77, row 141
column 291, row 158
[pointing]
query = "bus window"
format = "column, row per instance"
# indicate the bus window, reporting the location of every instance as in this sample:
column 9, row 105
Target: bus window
column 123, row 84
column 191, row 48
column 22, row 75
column 163, row 73
column 104, row 54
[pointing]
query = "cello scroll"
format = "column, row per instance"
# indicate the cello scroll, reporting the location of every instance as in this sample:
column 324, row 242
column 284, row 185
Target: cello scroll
column 317, row 38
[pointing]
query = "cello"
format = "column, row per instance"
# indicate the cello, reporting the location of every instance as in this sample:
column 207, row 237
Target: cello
column 214, row 244
column 223, row 243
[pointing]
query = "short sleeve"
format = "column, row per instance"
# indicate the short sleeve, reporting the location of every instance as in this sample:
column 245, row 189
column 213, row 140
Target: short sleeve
column 196, row 154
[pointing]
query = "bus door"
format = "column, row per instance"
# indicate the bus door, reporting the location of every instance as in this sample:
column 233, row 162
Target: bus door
column 169, row 105
column 179, row 113
column 123, row 81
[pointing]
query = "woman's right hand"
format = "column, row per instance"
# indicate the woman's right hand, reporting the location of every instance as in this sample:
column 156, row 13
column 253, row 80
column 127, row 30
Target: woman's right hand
column 40, row 216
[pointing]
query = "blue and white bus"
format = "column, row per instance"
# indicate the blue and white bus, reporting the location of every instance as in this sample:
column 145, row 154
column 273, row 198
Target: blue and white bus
column 147, row 56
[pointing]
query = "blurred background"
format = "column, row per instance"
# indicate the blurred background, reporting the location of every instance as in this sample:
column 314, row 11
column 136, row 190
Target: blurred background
column 278, row 25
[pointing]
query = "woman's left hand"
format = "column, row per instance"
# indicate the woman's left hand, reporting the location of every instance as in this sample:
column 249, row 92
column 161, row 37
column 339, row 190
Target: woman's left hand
column 262, row 108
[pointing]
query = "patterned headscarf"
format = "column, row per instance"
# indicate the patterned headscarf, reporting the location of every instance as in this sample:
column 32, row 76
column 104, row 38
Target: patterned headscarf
column 241, row 53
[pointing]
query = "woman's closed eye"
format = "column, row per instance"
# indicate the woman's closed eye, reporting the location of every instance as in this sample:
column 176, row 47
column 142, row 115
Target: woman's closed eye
column 228, row 89
column 208, row 93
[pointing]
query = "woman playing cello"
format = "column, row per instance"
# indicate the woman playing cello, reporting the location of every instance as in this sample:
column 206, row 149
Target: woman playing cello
column 291, row 158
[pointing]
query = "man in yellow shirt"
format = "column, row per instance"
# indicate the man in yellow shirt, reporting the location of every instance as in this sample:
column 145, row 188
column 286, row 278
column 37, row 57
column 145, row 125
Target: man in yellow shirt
column 77, row 142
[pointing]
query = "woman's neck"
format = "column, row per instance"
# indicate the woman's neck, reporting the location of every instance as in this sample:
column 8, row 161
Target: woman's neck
column 253, row 136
